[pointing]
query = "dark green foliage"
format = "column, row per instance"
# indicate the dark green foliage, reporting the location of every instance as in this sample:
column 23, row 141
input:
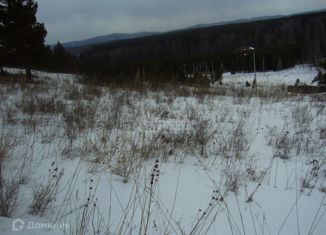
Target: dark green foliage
column 61, row 60
column 21, row 36
column 194, row 56
column 322, row 64
column 174, row 56
column 320, row 78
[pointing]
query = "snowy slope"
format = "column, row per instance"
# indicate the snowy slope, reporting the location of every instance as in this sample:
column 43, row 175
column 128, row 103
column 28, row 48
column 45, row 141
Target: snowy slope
column 305, row 73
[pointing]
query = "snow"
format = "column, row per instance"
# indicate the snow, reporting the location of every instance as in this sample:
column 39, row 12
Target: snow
column 305, row 73
column 262, row 147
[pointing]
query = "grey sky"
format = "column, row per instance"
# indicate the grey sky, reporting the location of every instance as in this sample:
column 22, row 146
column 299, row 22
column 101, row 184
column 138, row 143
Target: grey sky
column 68, row 20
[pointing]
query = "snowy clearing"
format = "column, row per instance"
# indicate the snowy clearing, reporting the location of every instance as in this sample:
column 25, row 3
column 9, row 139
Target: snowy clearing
column 77, row 159
column 304, row 73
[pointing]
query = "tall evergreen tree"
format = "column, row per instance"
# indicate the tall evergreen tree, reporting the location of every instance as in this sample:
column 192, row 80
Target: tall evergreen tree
column 62, row 61
column 20, row 33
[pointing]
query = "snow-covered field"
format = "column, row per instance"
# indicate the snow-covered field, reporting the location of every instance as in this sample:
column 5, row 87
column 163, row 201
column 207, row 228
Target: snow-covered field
column 78, row 159
column 304, row 73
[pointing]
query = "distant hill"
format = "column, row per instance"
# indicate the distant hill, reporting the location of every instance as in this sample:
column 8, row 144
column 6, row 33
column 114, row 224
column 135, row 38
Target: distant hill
column 235, row 21
column 107, row 38
column 83, row 45
column 280, row 42
column 261, row 18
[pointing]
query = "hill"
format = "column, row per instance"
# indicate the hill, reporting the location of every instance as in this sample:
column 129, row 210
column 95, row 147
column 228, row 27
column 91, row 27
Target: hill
column 279, row 43
column 107, row 38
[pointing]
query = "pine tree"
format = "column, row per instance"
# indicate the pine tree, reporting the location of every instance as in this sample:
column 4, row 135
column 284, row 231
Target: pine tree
column 61, row 61
column 20, row 33
column 321, row 76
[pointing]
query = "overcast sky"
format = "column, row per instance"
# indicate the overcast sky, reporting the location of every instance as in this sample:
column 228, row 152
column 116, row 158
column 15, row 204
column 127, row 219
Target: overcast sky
column 68, row 20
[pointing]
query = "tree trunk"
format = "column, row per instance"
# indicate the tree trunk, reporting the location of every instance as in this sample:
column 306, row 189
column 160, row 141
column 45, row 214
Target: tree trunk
column 28, row 73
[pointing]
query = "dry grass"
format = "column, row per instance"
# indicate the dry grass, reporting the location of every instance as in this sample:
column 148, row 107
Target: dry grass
column 12, row 176
column 120, row 130
column 44, row 194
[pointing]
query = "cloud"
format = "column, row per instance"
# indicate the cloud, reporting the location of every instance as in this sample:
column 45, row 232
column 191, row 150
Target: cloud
column 68, row 20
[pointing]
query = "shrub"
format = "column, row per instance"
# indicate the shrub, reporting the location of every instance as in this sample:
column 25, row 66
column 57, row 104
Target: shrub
column 320, row 78
column 44, row 194
column 12, row 176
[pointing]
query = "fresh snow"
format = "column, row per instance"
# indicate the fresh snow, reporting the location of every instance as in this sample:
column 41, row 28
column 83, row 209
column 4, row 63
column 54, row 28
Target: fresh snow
column 304, row 73
column 190, row 177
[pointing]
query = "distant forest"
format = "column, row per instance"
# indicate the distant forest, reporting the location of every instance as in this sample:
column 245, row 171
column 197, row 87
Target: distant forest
column 183, row 55
column 278, row 43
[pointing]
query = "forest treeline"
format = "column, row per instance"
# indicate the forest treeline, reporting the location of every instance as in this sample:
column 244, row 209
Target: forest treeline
column 194, row 54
